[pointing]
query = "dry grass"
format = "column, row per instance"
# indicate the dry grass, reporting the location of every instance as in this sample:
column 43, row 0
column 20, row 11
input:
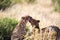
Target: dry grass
column 42, row 11
column 46, row 35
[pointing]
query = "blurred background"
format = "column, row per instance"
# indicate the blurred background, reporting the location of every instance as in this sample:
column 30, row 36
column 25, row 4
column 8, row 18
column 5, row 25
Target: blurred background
column 11, row 11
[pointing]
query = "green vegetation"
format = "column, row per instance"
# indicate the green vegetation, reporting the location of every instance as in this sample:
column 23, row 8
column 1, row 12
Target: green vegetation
column 57, row 5
column 57, row 8
column 6, row 27
column 27, row 28
column 15, row 1
column 6, row 3
column 30, row 1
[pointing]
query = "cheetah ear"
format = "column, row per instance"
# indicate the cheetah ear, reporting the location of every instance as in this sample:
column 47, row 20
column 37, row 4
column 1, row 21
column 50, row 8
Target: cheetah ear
column 38, row 20
column 23, row 17
column 29, row 17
